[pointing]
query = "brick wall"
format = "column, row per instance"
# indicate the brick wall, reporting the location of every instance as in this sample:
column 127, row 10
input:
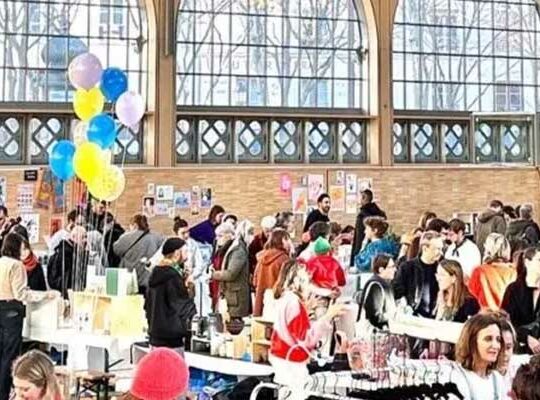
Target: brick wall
column 252, row 192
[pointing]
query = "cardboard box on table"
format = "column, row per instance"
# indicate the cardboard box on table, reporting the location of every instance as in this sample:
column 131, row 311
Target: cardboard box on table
column 114, row 315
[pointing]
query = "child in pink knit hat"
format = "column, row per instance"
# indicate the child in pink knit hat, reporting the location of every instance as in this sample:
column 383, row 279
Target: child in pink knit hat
column 161, row 375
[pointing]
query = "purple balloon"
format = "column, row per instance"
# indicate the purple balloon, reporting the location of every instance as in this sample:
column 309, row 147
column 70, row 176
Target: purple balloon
column 130, row 108
column 85, row 71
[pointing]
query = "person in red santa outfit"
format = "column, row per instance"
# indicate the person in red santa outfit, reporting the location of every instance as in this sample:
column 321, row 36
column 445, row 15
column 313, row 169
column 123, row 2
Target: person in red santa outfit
column 295, row 337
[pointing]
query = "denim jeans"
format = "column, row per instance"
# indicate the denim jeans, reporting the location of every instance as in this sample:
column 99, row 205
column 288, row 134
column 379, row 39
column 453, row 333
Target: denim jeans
column 11, row 325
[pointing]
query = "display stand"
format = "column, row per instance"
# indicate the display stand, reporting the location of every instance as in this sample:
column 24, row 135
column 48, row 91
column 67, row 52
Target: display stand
column 260, row 339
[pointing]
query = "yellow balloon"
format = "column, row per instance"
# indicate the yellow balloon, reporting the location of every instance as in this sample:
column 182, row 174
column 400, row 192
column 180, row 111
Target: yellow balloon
column 109, row 184
column 88, row 103
column 88, row 161
column 79, row 133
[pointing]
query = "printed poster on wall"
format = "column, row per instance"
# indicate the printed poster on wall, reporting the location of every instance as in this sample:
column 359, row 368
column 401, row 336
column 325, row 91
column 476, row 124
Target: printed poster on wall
column 195, row 200
column 59, row 198
column 365, row 184
column 148, row 205
column 206, row 198
column 31, row 222
column 340, row 177
column 299, row 200
column 351, row 204
column 315, row 187
column 25, row 197
column 161, row 209
column 337, row 195
column 351, row 184
column 182, row 200
column 164, row 192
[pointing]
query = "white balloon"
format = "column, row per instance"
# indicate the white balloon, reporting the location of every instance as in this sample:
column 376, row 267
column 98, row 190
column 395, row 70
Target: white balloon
column 79, row 133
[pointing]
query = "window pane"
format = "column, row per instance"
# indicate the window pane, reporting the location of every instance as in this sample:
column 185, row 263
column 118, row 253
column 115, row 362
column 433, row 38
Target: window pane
column 279, row 53
column 480, row 36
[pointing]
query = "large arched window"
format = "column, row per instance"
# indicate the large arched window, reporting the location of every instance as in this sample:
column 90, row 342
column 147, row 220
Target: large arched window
column 259, row 54
column 466, row 56
column 38, row 39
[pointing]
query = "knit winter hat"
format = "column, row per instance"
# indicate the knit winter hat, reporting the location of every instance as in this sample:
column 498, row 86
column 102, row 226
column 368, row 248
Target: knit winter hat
column 322, row 246
column 161, row 375
column 171, row 245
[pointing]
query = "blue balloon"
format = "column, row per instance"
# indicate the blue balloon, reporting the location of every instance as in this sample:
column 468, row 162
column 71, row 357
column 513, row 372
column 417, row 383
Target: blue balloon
column 102, row 131
column 114, row 82
column 61, row 160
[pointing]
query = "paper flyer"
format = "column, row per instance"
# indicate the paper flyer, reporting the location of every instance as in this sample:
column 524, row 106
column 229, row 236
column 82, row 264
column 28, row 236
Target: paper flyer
column 351, row 204
column 148, row 205
column 299, row 200
column 31, row 222
column 161, row 209
column 45, row 189
column 351, row 184
column 365, row 184
column 151, row 189
column 182, row 200
column 59, row 198
column 195, row 199
column 315, row 187
column 3, row 190
column 337, row 195
column 164, row 192
column 340, row 177
column 206, row 198
column 25, row 197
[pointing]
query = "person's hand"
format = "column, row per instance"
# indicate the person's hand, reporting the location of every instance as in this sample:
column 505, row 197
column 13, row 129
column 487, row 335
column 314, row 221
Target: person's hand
column 534, row 344
column 52, row 294
column 335, row 310
column 342, row 344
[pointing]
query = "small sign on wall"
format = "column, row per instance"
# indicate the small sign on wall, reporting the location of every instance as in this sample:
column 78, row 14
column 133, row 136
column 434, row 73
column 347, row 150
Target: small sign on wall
column 31, row 175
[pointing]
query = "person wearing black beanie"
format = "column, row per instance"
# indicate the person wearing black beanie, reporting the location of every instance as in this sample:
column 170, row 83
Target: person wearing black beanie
column 169, row 307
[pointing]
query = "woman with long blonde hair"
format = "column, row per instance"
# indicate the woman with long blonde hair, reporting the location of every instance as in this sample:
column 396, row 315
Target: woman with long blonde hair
column 34, row 377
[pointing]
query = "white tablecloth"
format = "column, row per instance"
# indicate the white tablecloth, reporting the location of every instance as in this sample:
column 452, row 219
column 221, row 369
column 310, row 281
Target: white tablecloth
column 83, row 348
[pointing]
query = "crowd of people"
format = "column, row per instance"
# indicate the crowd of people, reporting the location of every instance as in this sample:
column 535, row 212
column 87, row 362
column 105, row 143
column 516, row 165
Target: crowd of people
column 487, row 278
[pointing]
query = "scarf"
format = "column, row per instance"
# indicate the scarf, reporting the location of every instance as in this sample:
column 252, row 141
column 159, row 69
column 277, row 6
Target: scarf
column 30, row 263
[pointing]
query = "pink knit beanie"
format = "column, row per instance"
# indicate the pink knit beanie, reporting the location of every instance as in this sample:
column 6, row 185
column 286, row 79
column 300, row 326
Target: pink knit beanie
column 161, row 375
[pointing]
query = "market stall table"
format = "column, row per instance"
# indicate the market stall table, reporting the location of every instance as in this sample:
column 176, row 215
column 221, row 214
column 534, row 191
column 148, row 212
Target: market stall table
column 84, row 348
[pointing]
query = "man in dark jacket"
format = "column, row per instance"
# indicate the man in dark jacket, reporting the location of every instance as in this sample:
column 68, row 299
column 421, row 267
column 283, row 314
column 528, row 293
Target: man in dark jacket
column 111, row 233
column 523, row 232
column 321, row 213
column 169, row 308
column 490, row 221
column 68, row 265
column 415, row 279
column 367, row 209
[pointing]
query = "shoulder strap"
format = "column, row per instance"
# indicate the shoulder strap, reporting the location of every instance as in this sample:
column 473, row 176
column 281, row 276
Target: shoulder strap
column 134, row 243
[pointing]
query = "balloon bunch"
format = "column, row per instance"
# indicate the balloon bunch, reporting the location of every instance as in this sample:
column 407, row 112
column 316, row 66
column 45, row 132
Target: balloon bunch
column 89, row 155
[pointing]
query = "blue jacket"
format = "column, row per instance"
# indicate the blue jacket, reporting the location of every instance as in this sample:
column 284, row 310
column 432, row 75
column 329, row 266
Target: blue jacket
column 362, row 261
